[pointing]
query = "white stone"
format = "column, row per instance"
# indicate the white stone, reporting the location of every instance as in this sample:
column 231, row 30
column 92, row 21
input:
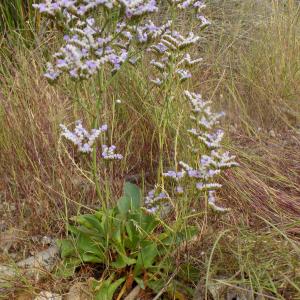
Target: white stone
column 45, row 295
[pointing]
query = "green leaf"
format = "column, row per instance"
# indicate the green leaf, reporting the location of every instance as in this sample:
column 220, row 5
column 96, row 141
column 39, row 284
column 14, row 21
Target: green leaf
column 146, row 222
column 67, row 267
column 117, row 232
column 107, row 289
column 87, row 245
column 77, row 230
column 122, row 261
column 73, row 229
column 66, row 247
column 140, row 282
column 145, row 258
column 113, row 287
column 89, row 221
column 156, row 285
column 132, row 191
column 124, row 205
column 119, row 263
column 105, row 223
column 139, row 226
column 131, row 198
column 133, row 235
column 91, row 258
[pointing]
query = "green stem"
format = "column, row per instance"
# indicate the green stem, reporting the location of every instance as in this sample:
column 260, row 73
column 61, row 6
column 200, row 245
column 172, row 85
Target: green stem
column 168, row 95
column 96, row 125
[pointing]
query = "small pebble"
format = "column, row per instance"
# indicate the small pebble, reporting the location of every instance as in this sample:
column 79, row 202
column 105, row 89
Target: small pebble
column 272, row 133
column 45, row 295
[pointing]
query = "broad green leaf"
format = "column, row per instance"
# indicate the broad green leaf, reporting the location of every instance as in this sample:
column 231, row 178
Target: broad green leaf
column 89, row 221
column 131, row 198
column 133, row 235
column 77, row 230
column 139, row 227
column 122, row 261
column 140, row 282
column 119, row 263
column 99, row 214
column 132, row 191
column 107, row 223
column 91, row 258
column 87, row 245
column 107, row 289
column 124, row 205
column 146, row 258
column 66, row 247
column 73, row 229
column 67, row 267
column 113, row 287
column 146, row 222
column 116, row 231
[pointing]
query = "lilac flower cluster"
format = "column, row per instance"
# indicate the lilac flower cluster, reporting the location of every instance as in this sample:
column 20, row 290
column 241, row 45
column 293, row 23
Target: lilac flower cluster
column 205, row 167
column 85, row 140
column 154, row 200
column 171, row 50
column 80, row 137
column 197, row 5
column 204, row 170
column 108, row 153
column 80, row 8
column 210, row 165
column 86, row 51
column 150, row 32
column 91, row 43
column 171, row 54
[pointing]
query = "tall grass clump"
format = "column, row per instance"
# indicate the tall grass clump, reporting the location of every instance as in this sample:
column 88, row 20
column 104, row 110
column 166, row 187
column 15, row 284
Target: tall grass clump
column 18, row 16
column 252, row 47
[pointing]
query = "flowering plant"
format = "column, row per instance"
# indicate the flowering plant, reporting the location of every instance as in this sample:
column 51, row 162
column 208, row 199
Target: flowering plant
column 89, row 43
column 122, row 31
column 206, row 144
column 128, row 242
column 100, row 37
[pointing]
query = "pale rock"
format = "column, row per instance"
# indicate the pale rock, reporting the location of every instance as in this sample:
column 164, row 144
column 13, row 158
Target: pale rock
column 272, row 133
column 34, row 266
column 79, row 291
column 45, row 295
column 133, row 295
column 39, row 263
